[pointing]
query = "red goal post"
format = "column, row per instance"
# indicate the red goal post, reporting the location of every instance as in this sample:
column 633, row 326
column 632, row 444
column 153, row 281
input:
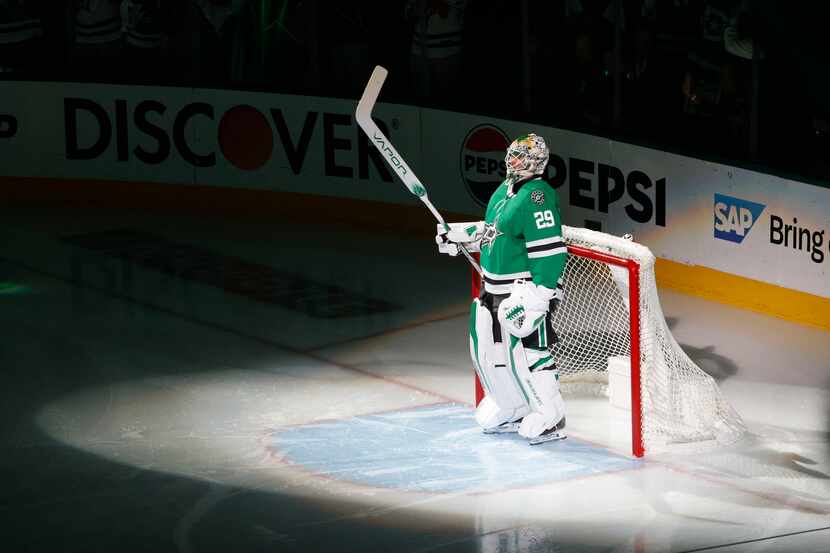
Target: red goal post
column 610, row 310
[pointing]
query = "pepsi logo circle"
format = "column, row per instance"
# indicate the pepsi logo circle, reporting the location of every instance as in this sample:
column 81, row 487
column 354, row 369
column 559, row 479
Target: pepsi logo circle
column 482, row 161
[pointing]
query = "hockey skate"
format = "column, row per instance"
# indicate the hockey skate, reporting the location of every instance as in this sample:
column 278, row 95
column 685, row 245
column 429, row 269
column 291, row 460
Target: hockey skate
column 553, row 434
column 504, row 428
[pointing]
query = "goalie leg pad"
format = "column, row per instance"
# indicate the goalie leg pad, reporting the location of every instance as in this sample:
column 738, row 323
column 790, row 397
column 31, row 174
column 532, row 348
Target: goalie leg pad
column 519, row 370
column 493, row 419
column 540, row 389
column 504, row 400
column 550, row 410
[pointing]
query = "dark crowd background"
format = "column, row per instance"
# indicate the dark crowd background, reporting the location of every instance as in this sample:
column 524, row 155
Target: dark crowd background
column 740, row 81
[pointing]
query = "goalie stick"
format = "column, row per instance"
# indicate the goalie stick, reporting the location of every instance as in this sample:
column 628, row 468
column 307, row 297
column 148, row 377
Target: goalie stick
column 363, row 114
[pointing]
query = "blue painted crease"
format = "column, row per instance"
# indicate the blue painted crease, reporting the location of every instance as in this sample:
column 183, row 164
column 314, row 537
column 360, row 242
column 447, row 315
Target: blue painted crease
column 437, row 449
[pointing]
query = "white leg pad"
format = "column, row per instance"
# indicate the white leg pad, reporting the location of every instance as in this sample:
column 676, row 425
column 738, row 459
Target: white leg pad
column 518, row 369
column 504, row 401
column 489, row 414
column 550, row 409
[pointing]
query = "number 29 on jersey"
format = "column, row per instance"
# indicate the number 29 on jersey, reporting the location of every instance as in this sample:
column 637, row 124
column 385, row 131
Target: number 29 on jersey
column 544, row 219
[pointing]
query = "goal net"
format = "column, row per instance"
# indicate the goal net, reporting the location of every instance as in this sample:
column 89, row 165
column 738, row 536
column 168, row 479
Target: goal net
column 610, row 316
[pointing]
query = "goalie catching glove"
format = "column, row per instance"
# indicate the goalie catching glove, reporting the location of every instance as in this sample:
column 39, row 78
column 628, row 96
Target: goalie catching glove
column 459, row 234
column 525, row 309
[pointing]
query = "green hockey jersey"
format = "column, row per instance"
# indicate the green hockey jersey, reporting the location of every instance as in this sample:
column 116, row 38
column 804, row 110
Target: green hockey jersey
column 523, row 238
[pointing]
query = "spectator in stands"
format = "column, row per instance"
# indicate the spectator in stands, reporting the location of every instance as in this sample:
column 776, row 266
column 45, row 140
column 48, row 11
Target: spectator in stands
column 216, row 12
column 702, row 82
column 736, row 91
column 21, row 36
column 213, row 34
column 149, row 26
column 345, row 30
column 288, row 42
column 738, row 36
column 436, row 53
column 794, row 85
column 487, row 64
column 707, row 85
column 591, row 43
column 644, row 92
column 97, row 39
column 389, row 39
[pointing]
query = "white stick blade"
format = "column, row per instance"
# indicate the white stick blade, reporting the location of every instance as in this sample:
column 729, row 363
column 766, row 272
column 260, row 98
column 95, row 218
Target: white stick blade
column 370, row 94
column 363, row 115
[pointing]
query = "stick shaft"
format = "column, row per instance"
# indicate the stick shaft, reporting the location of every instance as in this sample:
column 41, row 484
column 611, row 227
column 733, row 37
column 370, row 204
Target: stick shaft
column 363, row 115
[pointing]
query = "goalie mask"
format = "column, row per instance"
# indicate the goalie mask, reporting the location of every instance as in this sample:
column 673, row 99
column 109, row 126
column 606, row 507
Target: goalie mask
column 526, row 157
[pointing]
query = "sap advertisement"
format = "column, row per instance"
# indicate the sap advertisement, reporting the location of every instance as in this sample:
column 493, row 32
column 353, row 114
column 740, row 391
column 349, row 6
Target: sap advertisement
column 687, row 210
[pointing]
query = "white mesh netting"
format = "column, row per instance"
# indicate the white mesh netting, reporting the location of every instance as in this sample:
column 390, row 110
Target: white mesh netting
column 682, row 406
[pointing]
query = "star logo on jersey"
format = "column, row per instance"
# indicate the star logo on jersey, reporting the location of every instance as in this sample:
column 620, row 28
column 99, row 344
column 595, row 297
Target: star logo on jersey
column 491, row 232
column 537, row 197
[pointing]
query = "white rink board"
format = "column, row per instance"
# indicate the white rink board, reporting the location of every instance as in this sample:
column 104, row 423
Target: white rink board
column 317, row 150
column 667, row 201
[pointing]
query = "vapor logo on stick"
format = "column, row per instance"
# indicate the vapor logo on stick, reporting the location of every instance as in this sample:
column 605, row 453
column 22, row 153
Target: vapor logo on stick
column 391, row 155
column 482, row 161
column 734, row 217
